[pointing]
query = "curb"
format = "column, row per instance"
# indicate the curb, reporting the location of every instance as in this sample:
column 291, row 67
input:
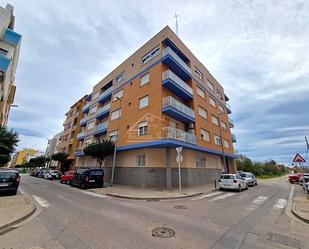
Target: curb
column 153, row 198
column 9, row 225
column 297, row 215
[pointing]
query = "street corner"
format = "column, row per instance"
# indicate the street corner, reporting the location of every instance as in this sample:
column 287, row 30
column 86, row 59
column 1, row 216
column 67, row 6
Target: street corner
column 301, row 207
column 14, row 209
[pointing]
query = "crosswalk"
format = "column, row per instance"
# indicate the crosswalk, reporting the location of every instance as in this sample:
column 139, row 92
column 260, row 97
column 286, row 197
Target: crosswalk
column 253, row 205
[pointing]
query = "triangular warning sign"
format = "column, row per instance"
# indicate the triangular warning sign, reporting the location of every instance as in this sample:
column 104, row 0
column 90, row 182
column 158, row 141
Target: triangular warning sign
column 298, row 159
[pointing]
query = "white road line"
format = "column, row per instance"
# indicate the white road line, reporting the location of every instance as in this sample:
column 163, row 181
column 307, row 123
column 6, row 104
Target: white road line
column 257, row 202
column 221, row 197
column 93, row 194
column 44, row 203
column 206, row 196
column 281, row 203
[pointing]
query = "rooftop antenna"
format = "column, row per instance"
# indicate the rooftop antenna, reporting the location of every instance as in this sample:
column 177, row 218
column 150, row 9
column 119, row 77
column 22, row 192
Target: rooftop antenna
column 176, row 24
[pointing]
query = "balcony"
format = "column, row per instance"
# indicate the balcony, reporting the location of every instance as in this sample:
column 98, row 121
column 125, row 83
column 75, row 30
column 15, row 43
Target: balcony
column 86, row 107
column 179, row 135
column 226, row 97
column 101, row 129
column 177, row 110
column 234, row 139
column 81, row 135
column 174, row 62
column 83, row 121
column 231, row 123
column 103, row 111
column 11, row 37
column 176, row 85
column 4, row 63
column 79, row 153
column 106, row 95
column 228, row 108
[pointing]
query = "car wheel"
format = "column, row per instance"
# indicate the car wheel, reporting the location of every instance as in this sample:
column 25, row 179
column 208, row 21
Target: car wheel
column 83, row 186
column 221, row 189
column 247, row 186
column 255, row 183
column 239, row 188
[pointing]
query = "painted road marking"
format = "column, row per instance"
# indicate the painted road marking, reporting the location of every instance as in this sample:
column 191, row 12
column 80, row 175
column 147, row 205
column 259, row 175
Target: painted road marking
column 93, row 194
column 220, row 197
column 44, row 203
column 257, row 202
column 281, row 203
column 206, row 196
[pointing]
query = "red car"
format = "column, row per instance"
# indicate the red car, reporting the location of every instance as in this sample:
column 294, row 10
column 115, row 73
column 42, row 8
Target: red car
column 67, row 177
column 295, row 177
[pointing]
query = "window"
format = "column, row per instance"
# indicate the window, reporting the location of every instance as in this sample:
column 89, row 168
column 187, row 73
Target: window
column 226, row 144
column 3, row 51
column 198, row 74
column 142, row 129
column 87, row 141
column 214, row 120
column 200, row 92
column 120, row 77
column 95, row 95
column 200, row 161
column 202, row 112
column 153, row 53
column 113, row 135
column 221, row 108
column 144, row 79
column 93, row 109
column 205, row 135
column 212, row 102
column 141, row 160
column 118, row 95
column 116, row 114
column 210, row 85
column 143, row 102
column 223, row 125
column 217, row 140
column 91, row 124
column 219, row 94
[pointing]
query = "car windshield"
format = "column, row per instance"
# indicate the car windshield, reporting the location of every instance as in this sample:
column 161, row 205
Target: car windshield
column 7, row 174
column 227, row 177
column 243, row 175
column 306, row 179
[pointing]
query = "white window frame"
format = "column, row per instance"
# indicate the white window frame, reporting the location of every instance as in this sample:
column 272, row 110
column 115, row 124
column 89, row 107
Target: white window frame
column 200, row 92
column 212, row 102
column 221, row 109
column 226, row 143
column 118, row 94
column 200, row 161
column 141, row 160
column 89, row 124
column 120, row 77
column 113, row 135
column 218, row 140
column 142, row 128
column 142, row 105
column 114, row 114
column 95, row 95
column 198, row 73
column 214, row 120
column 202, row 112
column 205, row 135
column 223, row 125
column 144, row 79
column 149, row 56
column 93, row 109
column 210, row 85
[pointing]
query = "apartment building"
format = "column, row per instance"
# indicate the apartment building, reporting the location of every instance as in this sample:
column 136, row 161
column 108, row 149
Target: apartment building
column 68, row 141
column 9, row 52
column 52, row 148
column 160, row 98
column 23, row 156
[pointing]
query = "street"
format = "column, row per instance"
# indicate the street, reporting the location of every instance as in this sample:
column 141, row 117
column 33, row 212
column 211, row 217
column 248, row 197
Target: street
column 67, row 217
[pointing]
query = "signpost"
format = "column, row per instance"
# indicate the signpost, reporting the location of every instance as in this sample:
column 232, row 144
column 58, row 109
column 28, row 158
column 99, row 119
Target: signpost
column 299, row 159
column 179, row 159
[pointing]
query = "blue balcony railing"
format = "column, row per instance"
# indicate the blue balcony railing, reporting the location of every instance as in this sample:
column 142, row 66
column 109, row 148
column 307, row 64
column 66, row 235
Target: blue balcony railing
column 228, row 108
column 79, row 153
column 101, row 129
column 176, row 85
column 103, row 111
column 4, row 63
column 174, row 62
column 177, row 110
column 106, row 95
column 86, row 107
column 83, row 121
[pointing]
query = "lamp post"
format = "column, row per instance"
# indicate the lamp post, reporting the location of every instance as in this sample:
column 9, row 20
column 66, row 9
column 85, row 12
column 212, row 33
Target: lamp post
column 222, row 145
column 115, row 146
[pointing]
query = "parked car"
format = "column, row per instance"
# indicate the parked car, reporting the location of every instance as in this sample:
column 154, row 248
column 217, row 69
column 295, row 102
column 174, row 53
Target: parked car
column 67, row 177
column 47, row 175
column 55, row 174
column 232, row 181
column 249, row 177
column 41, row 173
column 87, row 178
column 293, row 178
column 304, row 181
column 301, row 179
column 9, row 181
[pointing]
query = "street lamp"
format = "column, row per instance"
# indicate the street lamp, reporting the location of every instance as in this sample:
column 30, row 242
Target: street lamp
column 115, row 147
column 222, row 145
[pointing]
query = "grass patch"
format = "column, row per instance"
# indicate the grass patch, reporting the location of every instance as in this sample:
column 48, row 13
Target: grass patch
column 269, row 177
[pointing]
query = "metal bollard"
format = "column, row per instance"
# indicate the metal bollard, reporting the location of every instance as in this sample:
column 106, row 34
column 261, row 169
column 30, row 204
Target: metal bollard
column 215, row 183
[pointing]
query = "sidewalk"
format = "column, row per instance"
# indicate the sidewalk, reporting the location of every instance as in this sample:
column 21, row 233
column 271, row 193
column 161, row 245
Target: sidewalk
column 134, row 193
column 301, row 207
column 14, row 209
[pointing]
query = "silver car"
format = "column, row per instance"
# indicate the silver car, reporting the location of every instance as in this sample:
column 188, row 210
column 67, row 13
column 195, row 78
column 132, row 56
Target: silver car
column 249, row 177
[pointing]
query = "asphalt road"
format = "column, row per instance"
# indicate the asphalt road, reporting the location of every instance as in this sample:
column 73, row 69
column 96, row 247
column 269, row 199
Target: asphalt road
column 71, row 218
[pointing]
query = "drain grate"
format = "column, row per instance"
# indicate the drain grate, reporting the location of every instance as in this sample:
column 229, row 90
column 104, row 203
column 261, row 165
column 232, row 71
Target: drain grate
column 163, row 232
column 284, row 240
column 180, row 207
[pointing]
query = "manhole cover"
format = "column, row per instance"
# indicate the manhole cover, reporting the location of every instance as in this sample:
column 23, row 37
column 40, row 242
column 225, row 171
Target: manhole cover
column 284, row 240
column 163, row 232
column 180, row 207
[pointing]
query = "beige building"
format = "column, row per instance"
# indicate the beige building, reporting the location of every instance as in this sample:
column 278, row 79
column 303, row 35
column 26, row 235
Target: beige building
column 9, row 52
column 52, row 148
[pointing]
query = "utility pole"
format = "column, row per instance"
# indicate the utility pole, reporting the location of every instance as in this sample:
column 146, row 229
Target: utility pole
column 176, row 23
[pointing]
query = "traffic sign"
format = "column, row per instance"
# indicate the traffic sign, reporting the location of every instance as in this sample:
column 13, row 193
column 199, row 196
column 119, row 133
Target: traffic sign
column 299, row 159
column 179, row 149
column 179, row 158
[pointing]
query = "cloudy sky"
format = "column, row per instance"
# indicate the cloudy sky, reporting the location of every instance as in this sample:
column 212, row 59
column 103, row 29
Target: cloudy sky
column 258, row 50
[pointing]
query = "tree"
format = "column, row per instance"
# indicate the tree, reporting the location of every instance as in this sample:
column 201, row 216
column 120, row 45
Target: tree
column 99, row 151
column 60, row 157
column 38, row 161
column 8, row 142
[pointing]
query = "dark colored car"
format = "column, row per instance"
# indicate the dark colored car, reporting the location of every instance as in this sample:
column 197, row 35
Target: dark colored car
column 9, row 181
column 67, row 177
column 88, row 178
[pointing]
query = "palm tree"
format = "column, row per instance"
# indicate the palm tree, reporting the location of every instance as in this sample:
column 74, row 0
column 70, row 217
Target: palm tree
column 99, row 151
